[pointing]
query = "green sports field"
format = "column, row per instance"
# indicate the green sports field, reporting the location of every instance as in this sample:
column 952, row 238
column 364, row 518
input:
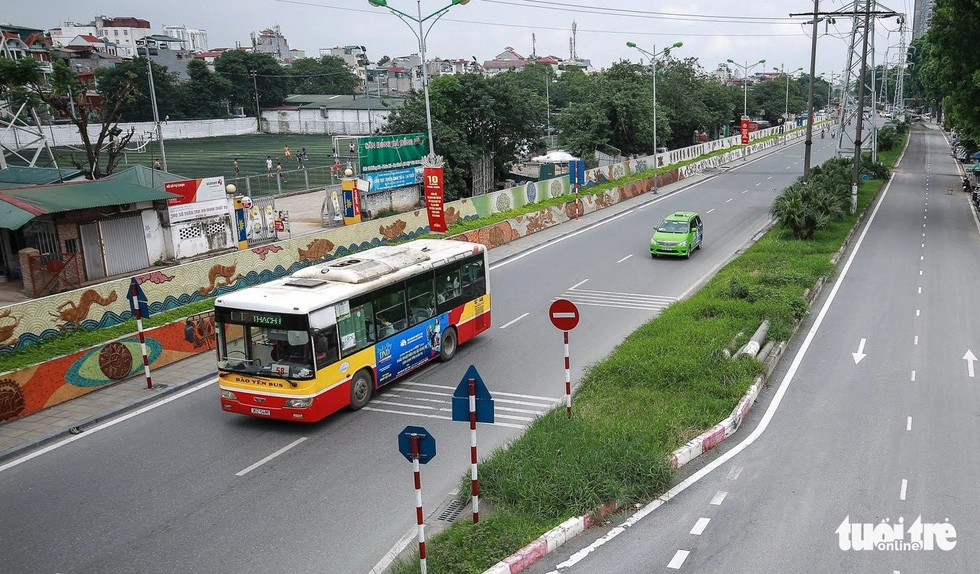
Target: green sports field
column 211, row 157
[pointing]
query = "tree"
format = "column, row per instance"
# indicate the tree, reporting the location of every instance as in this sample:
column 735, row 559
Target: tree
column 691, row 100
column 205, row 94
column 384, row 60
column 238, row 67
column 954, row 63
column 68, row 97
column 472, row 118
column 328, row 75
column 132, row 75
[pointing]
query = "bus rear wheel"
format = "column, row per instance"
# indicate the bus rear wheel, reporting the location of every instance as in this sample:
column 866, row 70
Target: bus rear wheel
column 361, row 388
column 447, row 347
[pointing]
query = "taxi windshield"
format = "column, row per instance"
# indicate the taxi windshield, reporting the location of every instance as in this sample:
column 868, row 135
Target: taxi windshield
column 669, row 226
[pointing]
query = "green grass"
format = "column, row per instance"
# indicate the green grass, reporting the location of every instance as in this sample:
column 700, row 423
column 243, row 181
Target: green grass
column 646, row 399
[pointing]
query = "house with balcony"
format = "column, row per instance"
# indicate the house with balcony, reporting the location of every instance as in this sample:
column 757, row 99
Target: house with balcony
column 166, row 51
column 21, row 42
column 506, row 61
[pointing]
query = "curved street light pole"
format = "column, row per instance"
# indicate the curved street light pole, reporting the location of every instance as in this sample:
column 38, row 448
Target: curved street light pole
column 745, row 86
column 653, row 62
column 786, row 112
column 421, row 35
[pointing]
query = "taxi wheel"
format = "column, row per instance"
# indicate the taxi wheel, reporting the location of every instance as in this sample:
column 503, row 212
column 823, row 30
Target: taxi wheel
column 688, row 254
column 361, row 388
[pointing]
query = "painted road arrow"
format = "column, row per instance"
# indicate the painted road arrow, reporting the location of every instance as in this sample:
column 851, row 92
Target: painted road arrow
column 970, row 358
column 860, row 354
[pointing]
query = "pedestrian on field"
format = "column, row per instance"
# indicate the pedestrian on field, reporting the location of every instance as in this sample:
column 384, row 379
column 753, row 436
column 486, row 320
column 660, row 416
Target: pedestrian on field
column 238, row 171
column 299, row 161
column 286, row 152
column 303, row 153
column 268, row 164
column 156, row 164
column 352, row 148
column 279, row 173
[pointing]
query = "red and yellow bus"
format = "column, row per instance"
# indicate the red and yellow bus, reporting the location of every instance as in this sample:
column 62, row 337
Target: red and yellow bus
column 328, row 336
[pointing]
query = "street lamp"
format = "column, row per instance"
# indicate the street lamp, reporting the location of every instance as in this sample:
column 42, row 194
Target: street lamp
column 786, row 113
column 653, row 62
column 745, row 86
column 421, row 35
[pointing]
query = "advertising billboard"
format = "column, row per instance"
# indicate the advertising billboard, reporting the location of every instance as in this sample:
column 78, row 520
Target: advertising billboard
column 382, row 153
column 198, row 198
column 394, row 178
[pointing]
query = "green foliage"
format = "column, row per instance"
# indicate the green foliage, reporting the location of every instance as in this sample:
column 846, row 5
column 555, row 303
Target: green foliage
column 327, row 75
column 806, row 207
column 137, row 106
column 951, row 64
column 237, row 67
column 887, row 137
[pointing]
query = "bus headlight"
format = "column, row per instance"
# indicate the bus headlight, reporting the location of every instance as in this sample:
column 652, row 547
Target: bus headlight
column 228, row 395
column 298, row 403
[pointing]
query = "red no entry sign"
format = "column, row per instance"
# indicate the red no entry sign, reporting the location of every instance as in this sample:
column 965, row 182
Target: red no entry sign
column 564, row 314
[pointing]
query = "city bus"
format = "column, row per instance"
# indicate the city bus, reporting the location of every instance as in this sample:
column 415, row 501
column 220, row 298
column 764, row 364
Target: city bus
column 329, row 335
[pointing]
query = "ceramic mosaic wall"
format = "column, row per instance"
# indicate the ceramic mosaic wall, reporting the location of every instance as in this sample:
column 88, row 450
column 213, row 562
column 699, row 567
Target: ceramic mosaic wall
column 167, row 288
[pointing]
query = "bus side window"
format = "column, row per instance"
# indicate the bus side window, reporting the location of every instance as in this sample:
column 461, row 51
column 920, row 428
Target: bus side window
column 389, row 312
column 325, row 347
column 356, row 330
column 474, row 279
column 421, row 300
column 447, row 284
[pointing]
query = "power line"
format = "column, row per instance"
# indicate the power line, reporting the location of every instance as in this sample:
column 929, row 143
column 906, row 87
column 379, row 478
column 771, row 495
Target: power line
column 611, row 11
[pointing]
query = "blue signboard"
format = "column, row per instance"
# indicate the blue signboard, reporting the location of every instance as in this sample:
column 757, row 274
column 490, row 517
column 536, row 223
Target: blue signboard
column 240, row 223
column 426, row 444
column 140, row 298
column 461, row 398
column 400, row 354
column 576, row 172
column 394, row 178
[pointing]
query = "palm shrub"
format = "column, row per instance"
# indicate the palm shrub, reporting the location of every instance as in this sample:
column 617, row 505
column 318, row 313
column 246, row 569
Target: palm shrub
column 806, row 207
column 887, row 137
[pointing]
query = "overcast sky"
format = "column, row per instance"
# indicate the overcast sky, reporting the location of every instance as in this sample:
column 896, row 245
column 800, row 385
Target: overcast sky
column 711, row 30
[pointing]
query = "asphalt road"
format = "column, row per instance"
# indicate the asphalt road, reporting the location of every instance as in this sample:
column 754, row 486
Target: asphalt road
column 879, row 439
column 187, row 488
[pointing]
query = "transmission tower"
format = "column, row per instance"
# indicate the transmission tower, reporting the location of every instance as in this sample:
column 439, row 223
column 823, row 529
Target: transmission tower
column 861, row 31
column 21, row 136
column 899, row 100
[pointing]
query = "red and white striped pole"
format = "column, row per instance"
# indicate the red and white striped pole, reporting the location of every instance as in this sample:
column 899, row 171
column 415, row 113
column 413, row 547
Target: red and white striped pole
column 577, row 206
column 139, row 329
column 568, row 379
column 418, row 501
column 475, row 483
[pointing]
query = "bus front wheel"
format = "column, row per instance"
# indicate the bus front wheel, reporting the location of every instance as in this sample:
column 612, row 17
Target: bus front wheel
column 447, row 348
column 361, row 388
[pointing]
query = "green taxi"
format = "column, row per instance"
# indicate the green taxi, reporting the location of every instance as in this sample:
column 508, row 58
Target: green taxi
column 678, row 234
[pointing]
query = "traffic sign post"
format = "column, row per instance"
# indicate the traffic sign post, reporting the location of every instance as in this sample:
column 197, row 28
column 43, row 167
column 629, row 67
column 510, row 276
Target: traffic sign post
column 479, row 408
column 576, row 178
column 418, row 446
column 564, row 315
column 137, row 304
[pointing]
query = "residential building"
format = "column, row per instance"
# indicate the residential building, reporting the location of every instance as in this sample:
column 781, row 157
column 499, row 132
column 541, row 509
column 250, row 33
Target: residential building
column 330, row 114
column 506, row 61
column 194, row 40
column 21, row 42
column 271, row 41
column 922, row 17
column 165, row 51
column 123, row 31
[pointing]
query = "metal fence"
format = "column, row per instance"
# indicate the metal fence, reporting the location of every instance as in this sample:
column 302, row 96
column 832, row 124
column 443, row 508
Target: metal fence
column 290, row 181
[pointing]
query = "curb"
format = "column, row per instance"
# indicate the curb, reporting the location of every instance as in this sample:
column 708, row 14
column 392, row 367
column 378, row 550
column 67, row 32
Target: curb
column 80, row 427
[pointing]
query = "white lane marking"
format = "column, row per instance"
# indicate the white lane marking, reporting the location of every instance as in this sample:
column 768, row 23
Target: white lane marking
column 763, row 422
column 920, row 290
column 923, row 235
column 770, row 177
column 699, row 527
column 730, row 200
column 923, row 245
column 403, row 542
column 252, row 467
column 915, row 340
column 710, row 210
column 719, row 497
column 746, row 191
column 917, row 312
column 678, row 560
column 577, row 284
column 734, row 472
column 505, row 325
column 908, row 424
column 625, row 258
column 105, row 425
column 905, row 486
column 913, row 376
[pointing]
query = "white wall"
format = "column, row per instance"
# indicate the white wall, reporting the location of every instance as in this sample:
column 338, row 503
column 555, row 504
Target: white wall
column 311, row 121
column 204, row 235
column 156, row 244
column 62, row 134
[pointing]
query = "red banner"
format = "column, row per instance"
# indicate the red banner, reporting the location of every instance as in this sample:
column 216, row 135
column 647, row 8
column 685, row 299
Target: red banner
column 433, row 178
column 744, row 128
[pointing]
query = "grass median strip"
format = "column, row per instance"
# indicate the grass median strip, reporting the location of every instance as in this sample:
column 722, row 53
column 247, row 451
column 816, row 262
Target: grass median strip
column 663, row 385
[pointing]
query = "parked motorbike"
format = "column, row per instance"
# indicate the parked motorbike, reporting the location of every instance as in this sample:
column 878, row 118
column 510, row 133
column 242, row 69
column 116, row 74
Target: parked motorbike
column 967, row 187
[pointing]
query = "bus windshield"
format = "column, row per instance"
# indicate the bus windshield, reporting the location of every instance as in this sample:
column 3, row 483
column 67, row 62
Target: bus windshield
column 265, row 351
